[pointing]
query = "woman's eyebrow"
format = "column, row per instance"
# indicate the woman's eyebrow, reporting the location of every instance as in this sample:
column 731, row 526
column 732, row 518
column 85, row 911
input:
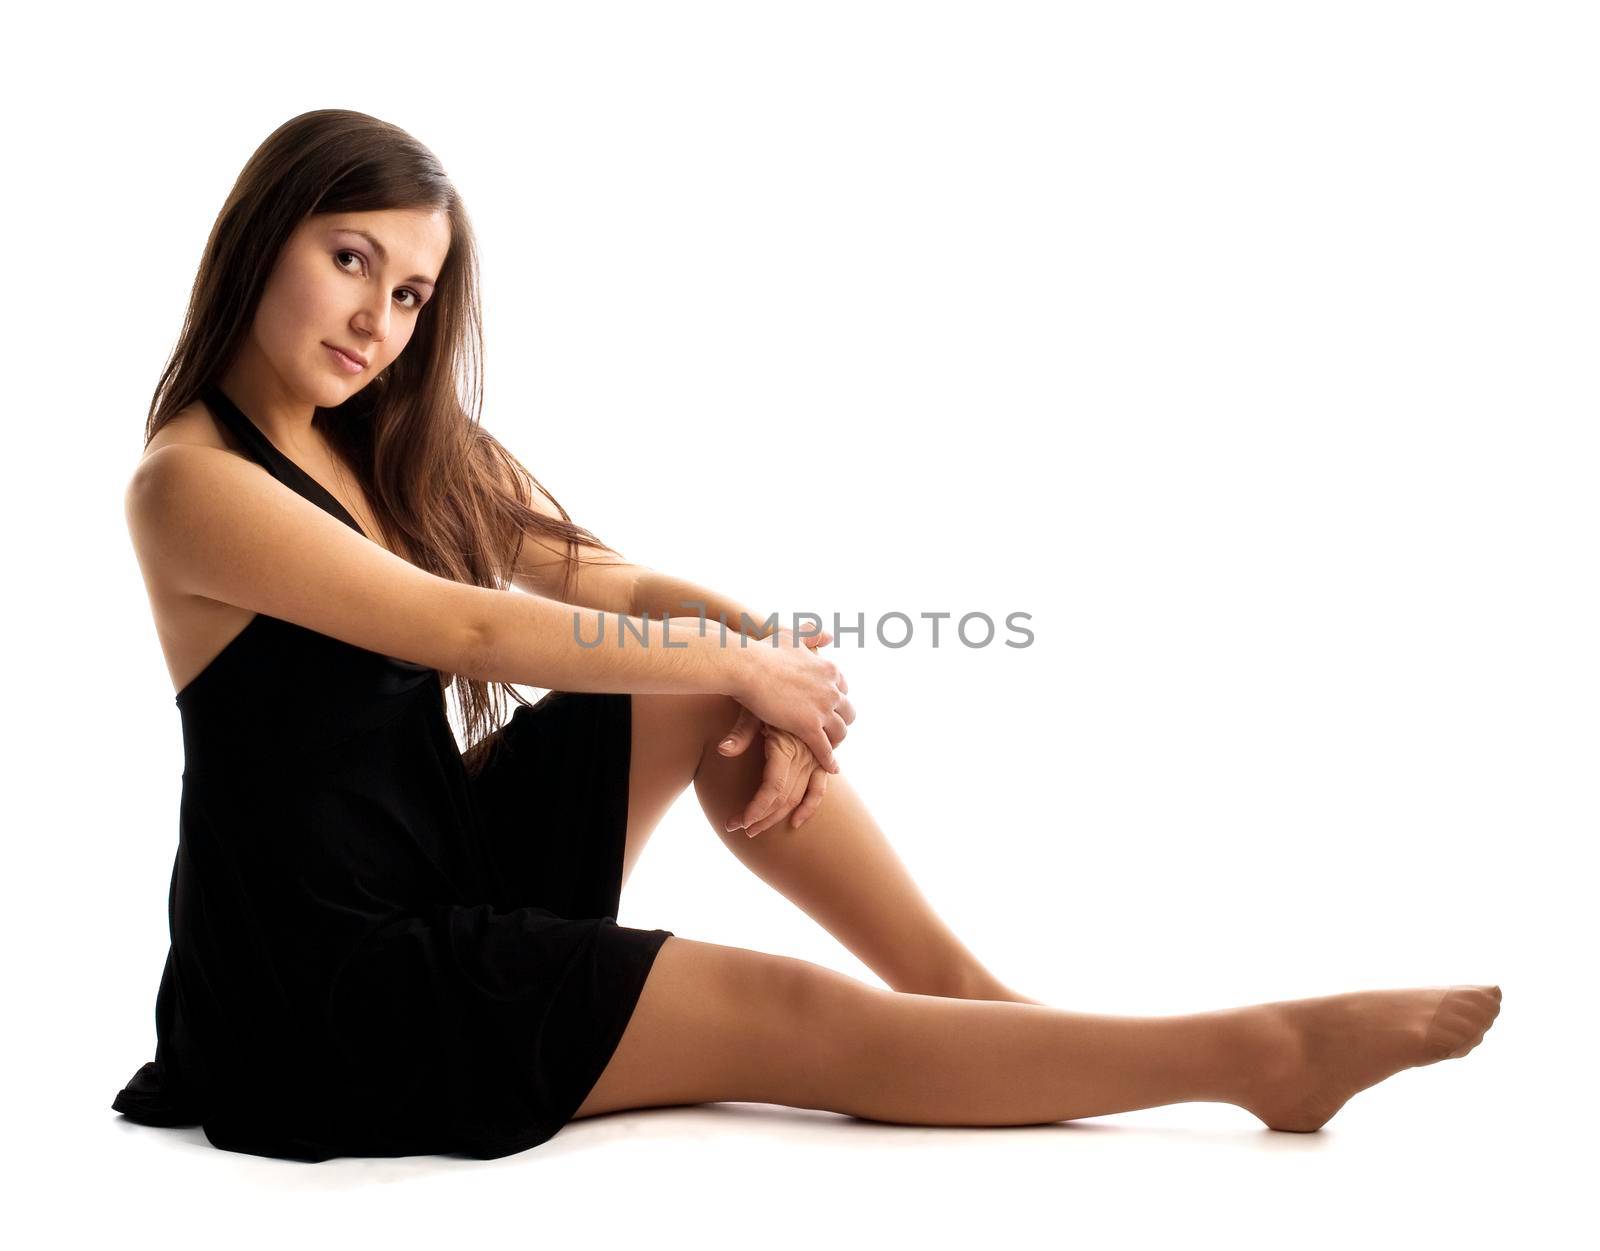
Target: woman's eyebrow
column 383, row 253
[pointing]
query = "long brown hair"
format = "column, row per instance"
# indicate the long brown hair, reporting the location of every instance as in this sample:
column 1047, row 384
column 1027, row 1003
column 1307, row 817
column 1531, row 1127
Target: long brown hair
column 414, row 441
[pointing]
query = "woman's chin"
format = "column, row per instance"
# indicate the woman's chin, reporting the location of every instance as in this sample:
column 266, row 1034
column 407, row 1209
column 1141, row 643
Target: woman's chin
column 332, row 392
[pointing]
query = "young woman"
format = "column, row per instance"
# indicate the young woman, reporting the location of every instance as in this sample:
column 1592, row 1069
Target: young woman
column 384, row 946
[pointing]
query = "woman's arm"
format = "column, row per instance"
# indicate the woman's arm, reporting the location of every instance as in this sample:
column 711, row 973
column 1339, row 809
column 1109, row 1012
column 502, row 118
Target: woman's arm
column 670, row 656
column 210, row 524
column 534, row 641
column 207, row 523
column 662, row 595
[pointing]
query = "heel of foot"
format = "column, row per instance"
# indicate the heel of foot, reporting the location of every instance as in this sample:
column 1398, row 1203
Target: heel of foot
column 1306, row 1117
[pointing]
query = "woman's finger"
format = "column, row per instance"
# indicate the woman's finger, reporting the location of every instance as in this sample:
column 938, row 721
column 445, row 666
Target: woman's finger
column 822, row 749
column 812, row 799
column 768, row 793
column 778, row 778
column 745, row 727
column 784, row 809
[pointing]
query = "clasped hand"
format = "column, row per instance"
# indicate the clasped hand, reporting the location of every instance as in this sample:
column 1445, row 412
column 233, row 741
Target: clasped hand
column 793, row 782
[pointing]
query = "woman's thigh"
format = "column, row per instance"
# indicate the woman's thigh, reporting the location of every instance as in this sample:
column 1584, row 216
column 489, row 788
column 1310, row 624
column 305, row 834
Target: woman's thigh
column 717, row 1023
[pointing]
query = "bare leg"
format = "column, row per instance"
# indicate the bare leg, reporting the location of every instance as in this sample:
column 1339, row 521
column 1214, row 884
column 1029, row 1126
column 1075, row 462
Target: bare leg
column 838, row 867
column 841, row 870
column 722, row 1023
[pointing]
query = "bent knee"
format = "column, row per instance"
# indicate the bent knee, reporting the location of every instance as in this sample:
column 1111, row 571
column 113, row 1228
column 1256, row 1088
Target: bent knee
column 704, row 717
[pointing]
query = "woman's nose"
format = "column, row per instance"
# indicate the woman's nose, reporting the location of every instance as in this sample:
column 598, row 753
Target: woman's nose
column 374, row 323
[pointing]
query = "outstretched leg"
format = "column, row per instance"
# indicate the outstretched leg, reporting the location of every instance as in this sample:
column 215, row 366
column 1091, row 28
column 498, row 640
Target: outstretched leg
column 719, row 1023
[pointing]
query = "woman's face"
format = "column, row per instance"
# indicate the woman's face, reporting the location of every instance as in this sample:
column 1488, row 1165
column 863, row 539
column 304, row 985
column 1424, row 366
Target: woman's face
column 351, row 281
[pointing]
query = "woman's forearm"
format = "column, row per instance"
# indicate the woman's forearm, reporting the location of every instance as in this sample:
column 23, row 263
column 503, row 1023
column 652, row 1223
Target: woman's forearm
column 533, row 641
column 662, row 595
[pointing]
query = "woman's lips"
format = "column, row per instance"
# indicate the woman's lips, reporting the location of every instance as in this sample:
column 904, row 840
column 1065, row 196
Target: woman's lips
column 347, row 363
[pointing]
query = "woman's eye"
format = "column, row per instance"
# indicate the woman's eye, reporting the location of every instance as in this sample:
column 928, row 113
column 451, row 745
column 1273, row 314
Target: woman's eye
column 416, row 300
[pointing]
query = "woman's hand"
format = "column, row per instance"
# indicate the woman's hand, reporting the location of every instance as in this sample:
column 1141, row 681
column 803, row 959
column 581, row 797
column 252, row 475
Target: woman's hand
column 792, row 786
column 793, row 782
column 791, row 688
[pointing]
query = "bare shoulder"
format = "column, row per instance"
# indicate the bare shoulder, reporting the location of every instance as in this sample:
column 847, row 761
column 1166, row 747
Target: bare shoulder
column 219, row 539
column 191, row 628
column 193, row 425
column 191, row 428
column 190, row 441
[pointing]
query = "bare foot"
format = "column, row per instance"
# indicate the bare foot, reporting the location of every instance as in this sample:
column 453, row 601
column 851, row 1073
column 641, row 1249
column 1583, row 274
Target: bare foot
column 1335, row 1046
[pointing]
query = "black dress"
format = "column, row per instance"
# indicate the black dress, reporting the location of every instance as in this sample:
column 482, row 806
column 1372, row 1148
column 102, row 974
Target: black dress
column 372, row 953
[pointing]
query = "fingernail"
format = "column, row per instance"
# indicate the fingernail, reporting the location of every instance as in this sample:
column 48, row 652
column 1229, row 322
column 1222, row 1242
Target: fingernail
column 749, row 833
column 727, row 742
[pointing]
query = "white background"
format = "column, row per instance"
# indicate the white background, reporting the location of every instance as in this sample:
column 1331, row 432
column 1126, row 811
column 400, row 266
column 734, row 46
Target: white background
column 1248, row 347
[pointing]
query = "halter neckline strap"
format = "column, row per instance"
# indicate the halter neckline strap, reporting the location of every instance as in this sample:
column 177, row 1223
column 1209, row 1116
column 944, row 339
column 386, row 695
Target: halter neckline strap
column 268, row 455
